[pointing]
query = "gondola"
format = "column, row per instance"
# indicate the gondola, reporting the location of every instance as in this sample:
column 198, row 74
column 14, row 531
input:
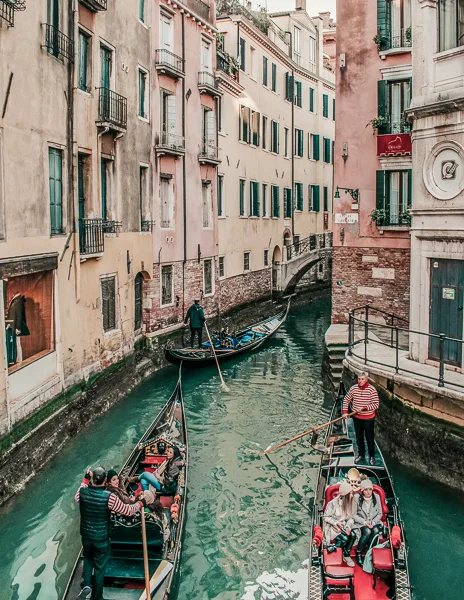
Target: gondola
column 124, row 575
column 228, row 346
column 329, row 577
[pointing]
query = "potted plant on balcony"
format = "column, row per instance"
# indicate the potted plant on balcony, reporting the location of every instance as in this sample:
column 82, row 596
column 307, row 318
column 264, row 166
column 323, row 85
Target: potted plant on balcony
column 405, row 217
column 378, row 38
column 378, row 122
column 378, row 216
column 408, row 35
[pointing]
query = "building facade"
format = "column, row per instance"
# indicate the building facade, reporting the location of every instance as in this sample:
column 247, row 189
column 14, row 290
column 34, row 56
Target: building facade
column 276, row 134
column 373, row 164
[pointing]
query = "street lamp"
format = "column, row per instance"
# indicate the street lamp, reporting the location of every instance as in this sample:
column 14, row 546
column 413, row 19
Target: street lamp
column 353, row 193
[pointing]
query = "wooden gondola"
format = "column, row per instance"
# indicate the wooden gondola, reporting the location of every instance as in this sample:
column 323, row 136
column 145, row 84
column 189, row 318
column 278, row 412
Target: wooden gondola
column 330, row 578
column 124, row 575
column 226, row 346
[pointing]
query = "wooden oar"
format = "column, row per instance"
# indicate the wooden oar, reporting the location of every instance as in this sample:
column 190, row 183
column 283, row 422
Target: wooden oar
column 145, row 555
column 297, row 437
column 223, row 383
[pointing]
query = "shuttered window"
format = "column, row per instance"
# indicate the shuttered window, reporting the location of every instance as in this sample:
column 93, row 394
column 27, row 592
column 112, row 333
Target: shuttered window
column 325, row 105
column 299, row 196
column 287, row 203
column 264, row 203
column 142, row 94
column 55, row 177
column 138, row 289
column 316, row 147
column 84, row 41
column 274, row 137
column 327, row 146
column 254, row 199
column 311, row 99
column 393, row 197
column 384, row 23
column 274, row 77
column 142, row 10
column 245, row 122
column 220, row 195
column 265, row 70
column 326, row 198
column 314, row 198
column 299, row 94
column 242, row 197
column 333, row 109
column 222, row 270
column 166, row 285
column 275, row 205
column 255, row 122
column 246, row 261
column 208, row 276
column 289, row 86
column 299, row 142
column 108, row 290
column 241, row 58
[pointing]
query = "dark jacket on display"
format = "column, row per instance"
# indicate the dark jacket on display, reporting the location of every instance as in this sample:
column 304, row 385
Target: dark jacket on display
column 196, row 315
column 95, row 514
column 17, row 314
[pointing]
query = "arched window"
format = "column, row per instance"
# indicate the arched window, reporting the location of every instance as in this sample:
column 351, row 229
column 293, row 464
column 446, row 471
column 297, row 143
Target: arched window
column 138, row 301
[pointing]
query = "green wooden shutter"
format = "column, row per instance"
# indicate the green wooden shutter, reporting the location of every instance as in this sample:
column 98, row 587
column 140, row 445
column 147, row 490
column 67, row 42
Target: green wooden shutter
column 142, row 94
column 299, row 94
column 142, row 10
column 409, row 171
column 300, row 143
column 242, row 54
column 289, row 87
column 299, row 196
column 83, row 51
column 380, row 182
column 256, row 199
column 274, row 77
column 242, row 197
column 311, row 99
column 316, row 198
column 326, row 199
column 55, row 163
column 384, row 23
column 265, row 70
column 383, row 98
column 325, row 105
column 104, row 206
column 333, row 109
column 317, row 150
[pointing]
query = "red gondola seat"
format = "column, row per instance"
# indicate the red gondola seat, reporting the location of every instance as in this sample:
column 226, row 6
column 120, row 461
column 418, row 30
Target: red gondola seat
column 382, row 561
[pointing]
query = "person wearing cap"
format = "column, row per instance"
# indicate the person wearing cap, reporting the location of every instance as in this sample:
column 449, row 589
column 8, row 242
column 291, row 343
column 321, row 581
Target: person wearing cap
column 197, row 317
column 339, row 524
column 114, row 486
column 364, row 399
column 368, row 516
column 96, row 505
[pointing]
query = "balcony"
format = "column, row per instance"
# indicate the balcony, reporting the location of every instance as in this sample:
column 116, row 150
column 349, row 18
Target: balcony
column 394, row 144
column 58, row 44
column 209, row 154
column 168, row 63
column 112, row 110
column 388, row 217
column 170, row 144
column 200, row 8
column 94, row 5
column 207, row 84
column 91, row 237
column 147, row 226
column 7, row 12
column 111, row 226
column 227, row 64
column 400, row 39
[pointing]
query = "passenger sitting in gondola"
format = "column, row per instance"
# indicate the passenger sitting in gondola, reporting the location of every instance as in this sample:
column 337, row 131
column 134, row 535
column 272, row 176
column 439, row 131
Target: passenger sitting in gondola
column 114, row 486
column 164, row 479
column 354, row 479
column 368, row 515
column 339, row 523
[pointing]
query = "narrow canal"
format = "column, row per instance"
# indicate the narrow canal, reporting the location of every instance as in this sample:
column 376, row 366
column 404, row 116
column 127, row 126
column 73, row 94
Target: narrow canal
column 248, row 525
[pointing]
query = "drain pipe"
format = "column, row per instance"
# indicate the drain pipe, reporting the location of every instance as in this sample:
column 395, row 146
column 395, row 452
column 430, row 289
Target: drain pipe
column 72, row 146
column 184, row 173
column 293, row 135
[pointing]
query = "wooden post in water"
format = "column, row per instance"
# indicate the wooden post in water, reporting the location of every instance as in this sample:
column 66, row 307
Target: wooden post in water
column 145, row 555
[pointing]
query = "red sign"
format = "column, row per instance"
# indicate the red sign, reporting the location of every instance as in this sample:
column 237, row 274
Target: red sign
column 395, row 144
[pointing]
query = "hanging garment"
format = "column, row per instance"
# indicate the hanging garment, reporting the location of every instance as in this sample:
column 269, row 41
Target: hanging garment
column 17, row 314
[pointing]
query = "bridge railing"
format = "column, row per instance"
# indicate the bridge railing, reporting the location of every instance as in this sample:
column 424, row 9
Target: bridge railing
column 313, row 242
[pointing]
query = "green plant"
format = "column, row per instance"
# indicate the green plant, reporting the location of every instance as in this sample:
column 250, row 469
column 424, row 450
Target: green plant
column 377, row 39
column 378, row 122
column 406, row 217
column 408, row 34
column 378, row 216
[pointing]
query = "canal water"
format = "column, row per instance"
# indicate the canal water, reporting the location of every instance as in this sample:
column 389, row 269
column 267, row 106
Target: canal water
column 248, row 521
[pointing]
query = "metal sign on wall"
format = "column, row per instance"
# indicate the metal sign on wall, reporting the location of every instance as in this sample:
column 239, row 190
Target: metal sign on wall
column 341, row 218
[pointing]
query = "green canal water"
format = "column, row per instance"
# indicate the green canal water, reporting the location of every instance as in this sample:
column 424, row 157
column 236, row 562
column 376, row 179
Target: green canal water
column 248, row 524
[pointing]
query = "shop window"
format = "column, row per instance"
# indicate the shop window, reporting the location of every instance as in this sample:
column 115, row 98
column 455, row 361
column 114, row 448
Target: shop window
column 28, row 301
column 108, row 287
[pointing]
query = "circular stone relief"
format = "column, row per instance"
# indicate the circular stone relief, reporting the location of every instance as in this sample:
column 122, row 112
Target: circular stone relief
column 444, row 170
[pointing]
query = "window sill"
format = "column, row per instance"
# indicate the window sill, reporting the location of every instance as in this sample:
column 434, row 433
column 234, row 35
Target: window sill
column 275, row 93
column 58, row 235
column 448, row 54
column 144, row 24
column 143, row 119
column 25, row 363
column 253, row 217
column 384, row 53
column 111, row 332
column 265, row 217
column 170, row 305
column 404, row 228
column 210, row 295
column 84, row 93
column 222, row 217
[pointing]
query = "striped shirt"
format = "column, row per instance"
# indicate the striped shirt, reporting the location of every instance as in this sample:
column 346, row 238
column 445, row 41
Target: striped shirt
column 360, row 399
column 114, row 503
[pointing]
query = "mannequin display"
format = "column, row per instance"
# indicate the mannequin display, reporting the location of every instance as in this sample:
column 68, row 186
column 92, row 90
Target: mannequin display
column 16, row 327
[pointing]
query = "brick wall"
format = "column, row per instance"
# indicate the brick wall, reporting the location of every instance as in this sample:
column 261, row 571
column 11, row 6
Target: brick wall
column 246, row 288
column 376, row 276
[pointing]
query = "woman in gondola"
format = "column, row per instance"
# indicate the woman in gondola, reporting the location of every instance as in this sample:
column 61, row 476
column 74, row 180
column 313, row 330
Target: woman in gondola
column 114, row 486
column 368, row 516
column 339, row 523
column 164, row 479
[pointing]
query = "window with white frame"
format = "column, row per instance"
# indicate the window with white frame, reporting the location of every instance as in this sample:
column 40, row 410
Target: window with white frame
column 312, row 54
column 168, row 119
column 144, row 93
column 254, row 199
column 166, row 37
column 167, row 201
column 167, row 281
column 209, row 133
column 242, row 184
column 219, row 113
column 246, row 261
column 451, row 24
column 143, row 195
column 207, row 201
column 208, row 276
column 400, row 17
column 296, row 45
column 206, row 56
column 286, row 132
column 222, row 270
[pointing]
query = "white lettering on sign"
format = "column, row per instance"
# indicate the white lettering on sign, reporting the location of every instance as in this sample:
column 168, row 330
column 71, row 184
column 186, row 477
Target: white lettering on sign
column 448, row 293
column 346, row 218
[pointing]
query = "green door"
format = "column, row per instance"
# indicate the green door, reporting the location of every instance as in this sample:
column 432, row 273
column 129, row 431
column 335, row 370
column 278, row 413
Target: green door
column 53, row 19
column 446, row 308
column 104, row 188
column 105, row 66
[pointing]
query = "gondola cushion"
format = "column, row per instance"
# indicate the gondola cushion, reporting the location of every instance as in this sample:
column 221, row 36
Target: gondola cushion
column 153, row 460
column 334, row 559
column 382, row 559
column 337, row 572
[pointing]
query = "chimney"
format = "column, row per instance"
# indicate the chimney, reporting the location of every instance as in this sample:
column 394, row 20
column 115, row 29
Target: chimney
column 325, row 16
column 249, row 7
column 300, row 5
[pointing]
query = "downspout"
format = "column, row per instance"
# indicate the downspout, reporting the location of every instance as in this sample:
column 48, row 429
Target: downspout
column 293, row 136
column 184, row 173
column 238, row 51
column 73, row 18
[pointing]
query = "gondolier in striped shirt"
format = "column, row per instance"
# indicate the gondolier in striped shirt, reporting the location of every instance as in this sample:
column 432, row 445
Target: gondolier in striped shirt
column 96, row 505
column 363, row 397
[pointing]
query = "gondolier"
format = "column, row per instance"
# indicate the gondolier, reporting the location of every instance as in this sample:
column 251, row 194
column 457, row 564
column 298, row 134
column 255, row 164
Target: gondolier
column 363, row 397
column 197, row 317
column 96, row 505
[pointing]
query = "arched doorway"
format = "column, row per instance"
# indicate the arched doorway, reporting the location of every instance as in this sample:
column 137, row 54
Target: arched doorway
column 138, row 301
column 276, row 258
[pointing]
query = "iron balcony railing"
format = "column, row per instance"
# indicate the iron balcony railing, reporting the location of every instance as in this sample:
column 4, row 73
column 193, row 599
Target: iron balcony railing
column 227, row 64
column 170, row 141
column 364, row 329
column 207, row 79
column 201, row 8
column 387, row 219
column 7, row 12
column 111, row 226
column 310, row 244
column 401, row 126
column 112, row 108
column 209, row 151
column 91, row 236
column 147, row 226
column 164, row 58
column 94, row 5
column 401, row 38
column 57, row 43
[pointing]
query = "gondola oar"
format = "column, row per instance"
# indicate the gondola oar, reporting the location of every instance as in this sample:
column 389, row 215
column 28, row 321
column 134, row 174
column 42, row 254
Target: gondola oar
column 145, row 555
column 297, row 437
column 223, row 383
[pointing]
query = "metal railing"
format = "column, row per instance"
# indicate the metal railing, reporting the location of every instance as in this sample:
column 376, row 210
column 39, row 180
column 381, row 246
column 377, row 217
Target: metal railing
column 401, row 126
column 95, row 5
column 207, row 79
column 401, row 38
column 309, row 244
column 91, row 236
column 164, row 58
column 7, row 12
column 209, row 150
column 393, row 334
column 111, row 226
column 227, row 64
column 201, row 8
column 57, row 43
column 394, row 220
column 112, row 108
column 170, row 141
column 147, row 226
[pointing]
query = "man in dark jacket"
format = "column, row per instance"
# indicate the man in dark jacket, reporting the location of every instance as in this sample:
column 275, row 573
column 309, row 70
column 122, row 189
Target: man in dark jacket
column 96, row 505
column 197, row 318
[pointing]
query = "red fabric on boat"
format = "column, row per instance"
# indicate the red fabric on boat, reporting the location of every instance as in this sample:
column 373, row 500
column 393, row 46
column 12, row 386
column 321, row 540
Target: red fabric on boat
column 382, row 559
column 153, row 460
column 381, row 492
column 395, row 536
column 166, row 501
column 330, row 493
column 338, row 571
column 334, row 559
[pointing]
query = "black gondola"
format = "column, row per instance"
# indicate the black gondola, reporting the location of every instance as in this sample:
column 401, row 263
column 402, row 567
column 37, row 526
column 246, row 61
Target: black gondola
column 124, row 575
column 330, row 578
column 225, row 346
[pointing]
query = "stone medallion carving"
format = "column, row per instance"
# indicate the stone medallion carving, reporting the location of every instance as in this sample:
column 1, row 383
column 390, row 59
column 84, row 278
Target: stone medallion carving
column 443, row 170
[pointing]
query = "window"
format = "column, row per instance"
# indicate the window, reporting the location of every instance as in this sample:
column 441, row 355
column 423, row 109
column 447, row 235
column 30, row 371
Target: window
column 287, row 203
column 286, row 131
column 84, row 62
column 299, row 94
column 255, row 119
column 299, row 142
column 253, row 63
column 209, row 133
column 394, row 98
column 143, row 93
column 242, row 197
column 275, row 206
column 264, row 190
column 206, row 58
column 166, row 35
column 296, row 44
column 393, row 197
column 316, row 146
column 142, row 10
column 208, row 276
column 312, row 54
column 220, row 195
column 275, row 137
column 143, row 195
column 326, row 198
column 311, row 100
column 222, row 270
column 266, row 257
column 274, row 77
column 289, row 86
column 451, row 24
column 242, row 54
column 55, row 179
column 219, row 113
column 314, row 198
column 265, row 62
column 246, row 261
column 327, row 146
column 168, row 118
column 106, row 67
column 254, row 199
column 325, row 105
column 299, row 196
column 138, row 297
column 105, row 192
column 167, row 293
column 394, row 23
column 167, row 201
column 207, row 201
column 333, row 109
column 108, row 289
column 264, row 130
column 82, row 180
column 245, row 119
